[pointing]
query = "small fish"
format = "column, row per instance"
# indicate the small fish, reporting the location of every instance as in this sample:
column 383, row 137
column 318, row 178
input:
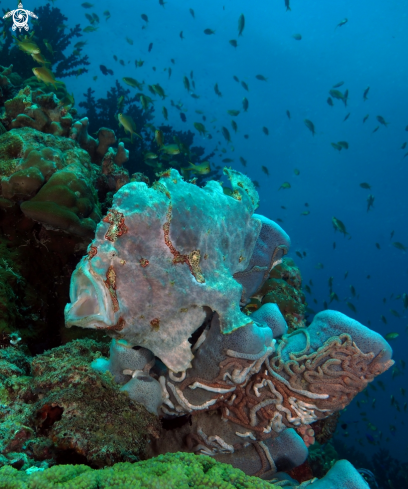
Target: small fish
column 90, row 28
column 245, row 86
column 319, row 266
column 95, row 17
column 107, row 14
column 399, row 246
column 296, row 172
column 241, row 24
column 405, row 300
column 376, row 129
column 129, row 41
column 27, row 46
column 145, row 17
column 381, row 120
column 186, row 83
column 200, row 128
column 341, row 23
column 158, row 137
column 183, row 117
column 305, row 213
column 330, row 101
column 353, row 291
column 287, row 5
column 339, row 84
column 391, row 336
column 395, row 313
column 192, row 13
column 150, row 47
column 87, row 5
column 234, row 126
column 208, row 32
column 233, row 43
column 162, row 3
column 200, row 169
column 339, row 226
column 347, row 116
column 217, row 90
column 297, row 37
column 265, row 170
column 383, row 319
column 265, row 130
column 227, row 160
column 132, row 82
column 234, row 113
column 365, row 118
column 285, row 185
column 261, row 78
column 150, row 156
column 244, row 162
column 226, row 134
column 128, row 125
column 334, row 245
column 165, row 113
column 343, row 144
column 171, row 149
column 40, row 59
column 181, row 35
column 345, row 97
column 236, row 78
column 370, row 202
column 46, row 76
column 336, row 94
column 299, row 254
column 310, row 126
column 245, row 104
column 366, row 93
column 404, row 145
column 378, row 246
column 336, row 146
column 391, row 235
column 351, row 306
column 170, row 71
column 365, row 185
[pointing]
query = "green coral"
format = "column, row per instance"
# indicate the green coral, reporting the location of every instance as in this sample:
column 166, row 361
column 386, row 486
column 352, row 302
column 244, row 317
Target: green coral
column 173, row 470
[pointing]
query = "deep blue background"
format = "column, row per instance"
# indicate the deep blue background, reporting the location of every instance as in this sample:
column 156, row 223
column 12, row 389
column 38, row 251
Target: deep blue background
column 370, row 50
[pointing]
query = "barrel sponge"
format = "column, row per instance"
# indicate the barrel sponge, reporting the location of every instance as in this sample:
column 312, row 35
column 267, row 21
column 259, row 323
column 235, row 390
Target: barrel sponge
column 341, row 476
column 66, row 203
column 123, row 357
column 146, row 390
column 270, row 314
column 327, row 324
column 271, row 245
column 288, row 450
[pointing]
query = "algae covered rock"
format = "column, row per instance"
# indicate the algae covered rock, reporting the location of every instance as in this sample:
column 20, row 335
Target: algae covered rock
column 66, row 411
column 51, row 179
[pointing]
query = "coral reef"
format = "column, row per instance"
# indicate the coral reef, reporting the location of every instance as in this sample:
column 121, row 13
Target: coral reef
column 49, row 29
column 51, row 179
column 56, row 408
column 284, row 288
column 38, row 110
column 168, row 273
column 178, row 470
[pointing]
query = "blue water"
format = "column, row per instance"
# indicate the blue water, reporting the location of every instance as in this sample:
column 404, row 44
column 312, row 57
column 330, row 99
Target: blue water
column 370, row 50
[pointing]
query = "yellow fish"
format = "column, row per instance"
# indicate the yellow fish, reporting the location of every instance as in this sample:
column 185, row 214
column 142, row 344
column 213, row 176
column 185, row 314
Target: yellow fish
column 171, row 149
column 158, row 136
column 200, row 169
column 46, row 76
column 39, row 58
column 28, row 46
column 128, row 125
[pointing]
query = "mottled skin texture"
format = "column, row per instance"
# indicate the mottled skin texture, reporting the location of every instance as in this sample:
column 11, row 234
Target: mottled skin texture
column 168, row 271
